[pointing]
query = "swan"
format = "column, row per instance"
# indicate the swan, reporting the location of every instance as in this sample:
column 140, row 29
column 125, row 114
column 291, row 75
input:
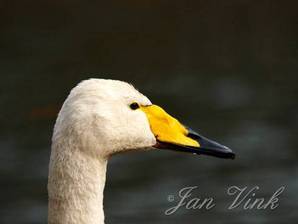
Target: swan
column 100, row 118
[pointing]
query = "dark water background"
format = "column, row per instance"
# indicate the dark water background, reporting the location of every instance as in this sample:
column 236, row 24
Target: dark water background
column 226, row 68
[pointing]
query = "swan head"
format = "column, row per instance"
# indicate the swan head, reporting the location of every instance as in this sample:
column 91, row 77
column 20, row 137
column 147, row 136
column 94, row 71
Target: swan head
column 103, row 117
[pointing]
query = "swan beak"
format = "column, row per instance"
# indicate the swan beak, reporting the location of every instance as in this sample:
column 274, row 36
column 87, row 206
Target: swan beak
column 171, row 134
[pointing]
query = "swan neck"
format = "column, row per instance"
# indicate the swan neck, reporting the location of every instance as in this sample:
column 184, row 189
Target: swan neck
column 76, row 185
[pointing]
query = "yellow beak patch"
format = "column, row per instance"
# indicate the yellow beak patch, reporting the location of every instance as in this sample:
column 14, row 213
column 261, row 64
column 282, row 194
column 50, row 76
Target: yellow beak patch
column 166, row 128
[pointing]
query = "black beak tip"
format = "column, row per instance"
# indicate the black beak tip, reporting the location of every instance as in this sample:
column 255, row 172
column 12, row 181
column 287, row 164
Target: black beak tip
column 231, row 155
column 210, row 147
column 224, row 152
column 228, row 153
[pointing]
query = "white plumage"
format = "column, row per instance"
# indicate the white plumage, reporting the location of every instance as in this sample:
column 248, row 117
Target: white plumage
column 95, row 121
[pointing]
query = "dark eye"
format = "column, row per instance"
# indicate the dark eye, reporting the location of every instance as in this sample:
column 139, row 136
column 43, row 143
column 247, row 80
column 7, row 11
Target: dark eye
column 134, row 106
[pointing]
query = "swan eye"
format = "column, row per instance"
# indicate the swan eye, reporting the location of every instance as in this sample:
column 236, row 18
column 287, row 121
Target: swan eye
column 134, row 106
